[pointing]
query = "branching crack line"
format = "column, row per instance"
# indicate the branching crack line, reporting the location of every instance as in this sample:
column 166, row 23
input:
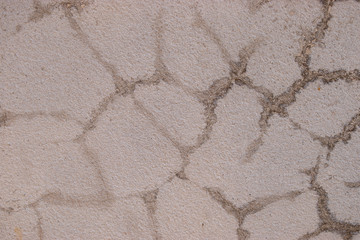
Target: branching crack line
column 279, row 103
column 209, row 98
column 220, row 87
column 328, row 223
column 330, row 141
column 344, row 135
column 240, row 213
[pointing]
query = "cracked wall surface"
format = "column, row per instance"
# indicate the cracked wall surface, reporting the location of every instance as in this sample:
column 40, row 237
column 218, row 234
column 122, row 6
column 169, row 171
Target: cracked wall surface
column 179, row 119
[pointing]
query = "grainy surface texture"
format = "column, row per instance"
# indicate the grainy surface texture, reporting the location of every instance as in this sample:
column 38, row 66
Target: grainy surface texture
column 209, row 120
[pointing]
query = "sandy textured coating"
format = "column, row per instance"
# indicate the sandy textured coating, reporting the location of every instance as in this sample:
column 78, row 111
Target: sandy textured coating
column 180, row 120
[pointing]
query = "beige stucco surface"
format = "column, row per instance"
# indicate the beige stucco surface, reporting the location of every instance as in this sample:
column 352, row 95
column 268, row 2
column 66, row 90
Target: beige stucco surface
column 210, row 120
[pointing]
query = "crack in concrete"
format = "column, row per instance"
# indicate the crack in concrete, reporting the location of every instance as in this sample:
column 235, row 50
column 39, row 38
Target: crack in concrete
column 328, row 222
column 352, row 184
column 149, row 199
column 7, row 117
column 217, row 90
column 41, row 10
column 330, row 141
column 221, row 87
column 200, row 23
column 160, row 128
column 344, row 135
column 253, row 148
column 122, row 86
column 240, row 213
column 279, row 103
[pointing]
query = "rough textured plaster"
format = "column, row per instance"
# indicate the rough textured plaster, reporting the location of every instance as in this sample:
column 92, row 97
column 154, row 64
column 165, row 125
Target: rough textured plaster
column 179, row 119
